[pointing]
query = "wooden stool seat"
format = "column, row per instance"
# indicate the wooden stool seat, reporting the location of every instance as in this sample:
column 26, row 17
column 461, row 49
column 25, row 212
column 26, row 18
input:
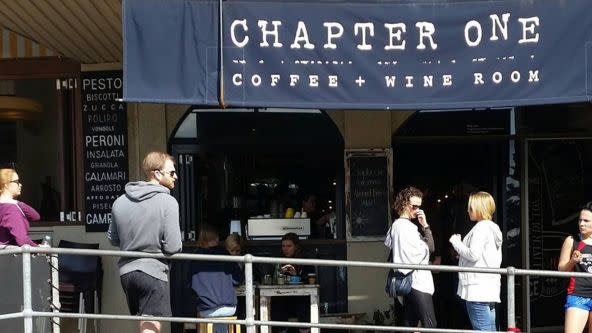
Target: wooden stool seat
column 209, row 327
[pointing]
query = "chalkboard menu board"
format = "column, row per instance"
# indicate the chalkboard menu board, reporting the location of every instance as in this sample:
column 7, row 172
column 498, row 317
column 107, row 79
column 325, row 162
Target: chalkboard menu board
column 105, row 145
column 368, row 196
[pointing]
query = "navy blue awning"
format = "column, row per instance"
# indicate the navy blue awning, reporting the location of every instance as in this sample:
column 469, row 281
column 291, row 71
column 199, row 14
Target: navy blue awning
column 358, row 55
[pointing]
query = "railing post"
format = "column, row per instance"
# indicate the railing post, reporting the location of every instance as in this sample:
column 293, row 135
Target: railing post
column 249, row 297
column 511, row 299
column 55, row 291
column 27, row 308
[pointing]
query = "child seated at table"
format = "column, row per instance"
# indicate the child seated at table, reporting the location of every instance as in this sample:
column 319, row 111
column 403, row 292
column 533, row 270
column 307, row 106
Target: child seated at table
column 284, row 308
column 234, row 244
column 214, row 281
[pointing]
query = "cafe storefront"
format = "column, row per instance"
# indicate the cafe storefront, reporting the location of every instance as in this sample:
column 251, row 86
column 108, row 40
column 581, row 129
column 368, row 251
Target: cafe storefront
column 260, row 107
column 493, row 60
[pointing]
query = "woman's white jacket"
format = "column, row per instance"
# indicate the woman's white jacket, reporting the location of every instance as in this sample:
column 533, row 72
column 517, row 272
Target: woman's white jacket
column 407, row 246
column 481, row 247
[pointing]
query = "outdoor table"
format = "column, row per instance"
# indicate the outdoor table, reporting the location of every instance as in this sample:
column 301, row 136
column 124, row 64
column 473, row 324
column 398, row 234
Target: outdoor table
column 266, row 292
column 240, row 292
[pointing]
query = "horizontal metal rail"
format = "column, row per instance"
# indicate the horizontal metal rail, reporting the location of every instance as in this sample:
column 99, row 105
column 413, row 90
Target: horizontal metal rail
column 279, row 260
column 28, row 314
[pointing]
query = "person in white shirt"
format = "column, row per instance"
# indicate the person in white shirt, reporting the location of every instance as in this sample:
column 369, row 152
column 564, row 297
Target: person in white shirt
column 481, row 247
column 409, row 246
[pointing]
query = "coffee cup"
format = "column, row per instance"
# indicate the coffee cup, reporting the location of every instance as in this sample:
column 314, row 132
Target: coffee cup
column 280, row 279
column 312, row 278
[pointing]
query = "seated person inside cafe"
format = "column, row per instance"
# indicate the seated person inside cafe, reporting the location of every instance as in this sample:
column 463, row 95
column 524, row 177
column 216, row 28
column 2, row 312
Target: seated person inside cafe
column 234, row 244
column 214, row 281
column 287, row 307
column 319, row 223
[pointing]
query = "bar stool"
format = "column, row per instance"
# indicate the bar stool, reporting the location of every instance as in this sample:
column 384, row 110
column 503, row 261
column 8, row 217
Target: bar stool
column 209, row 327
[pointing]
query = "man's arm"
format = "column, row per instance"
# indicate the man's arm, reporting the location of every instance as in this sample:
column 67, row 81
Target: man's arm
column 112, row 234
column 171, row 238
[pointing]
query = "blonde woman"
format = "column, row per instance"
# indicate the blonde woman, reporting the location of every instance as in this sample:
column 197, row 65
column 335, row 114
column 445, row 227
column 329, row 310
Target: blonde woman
column 234, row 245
column 481, row 247
column 576, row 255
column 14, row 215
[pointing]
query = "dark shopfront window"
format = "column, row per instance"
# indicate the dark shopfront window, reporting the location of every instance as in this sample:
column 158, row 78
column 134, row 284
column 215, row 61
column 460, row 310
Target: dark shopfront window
column 559, row 162
column 448, row 155
column 246, row 164
column 489, row 150
column 237, row 165
column 40, row 144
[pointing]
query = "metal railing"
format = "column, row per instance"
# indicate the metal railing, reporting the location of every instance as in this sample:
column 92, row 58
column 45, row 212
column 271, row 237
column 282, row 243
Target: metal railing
column 28, row 313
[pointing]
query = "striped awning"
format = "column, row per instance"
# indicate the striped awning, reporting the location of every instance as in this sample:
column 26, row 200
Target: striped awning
column 13, row 45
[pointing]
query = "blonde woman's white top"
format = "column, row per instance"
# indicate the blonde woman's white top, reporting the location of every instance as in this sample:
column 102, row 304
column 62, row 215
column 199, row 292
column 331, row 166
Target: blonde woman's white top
column 481, row 247
column 405, row 241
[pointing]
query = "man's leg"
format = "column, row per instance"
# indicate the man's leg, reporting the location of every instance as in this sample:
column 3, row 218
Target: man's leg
column 149, row 327
column 147, row 295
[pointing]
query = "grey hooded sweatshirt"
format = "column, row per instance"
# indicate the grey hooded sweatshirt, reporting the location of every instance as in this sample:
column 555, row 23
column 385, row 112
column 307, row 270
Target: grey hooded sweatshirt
column 146, row 219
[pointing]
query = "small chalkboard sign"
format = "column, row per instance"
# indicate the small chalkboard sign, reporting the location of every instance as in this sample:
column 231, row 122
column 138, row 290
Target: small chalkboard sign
column 104, row 128
column 368, row 194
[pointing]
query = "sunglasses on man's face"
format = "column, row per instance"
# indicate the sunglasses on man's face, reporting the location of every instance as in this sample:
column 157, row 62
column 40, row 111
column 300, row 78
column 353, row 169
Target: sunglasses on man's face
column 16, row 181
column 171, row 173
column 415, row 207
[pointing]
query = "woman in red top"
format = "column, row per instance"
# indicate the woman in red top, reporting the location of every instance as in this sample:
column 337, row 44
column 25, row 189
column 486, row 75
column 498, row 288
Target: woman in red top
column 14, row 215
column 576, row 255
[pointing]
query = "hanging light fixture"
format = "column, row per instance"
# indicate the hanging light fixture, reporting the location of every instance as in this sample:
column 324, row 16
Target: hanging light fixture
column 17, row 108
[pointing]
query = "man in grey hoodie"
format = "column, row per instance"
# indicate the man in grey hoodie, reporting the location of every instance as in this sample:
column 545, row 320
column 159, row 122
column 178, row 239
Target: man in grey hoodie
column 146, row 219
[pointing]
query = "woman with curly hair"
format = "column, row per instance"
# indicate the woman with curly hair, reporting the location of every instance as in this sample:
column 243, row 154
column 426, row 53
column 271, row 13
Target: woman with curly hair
column 410, row 246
